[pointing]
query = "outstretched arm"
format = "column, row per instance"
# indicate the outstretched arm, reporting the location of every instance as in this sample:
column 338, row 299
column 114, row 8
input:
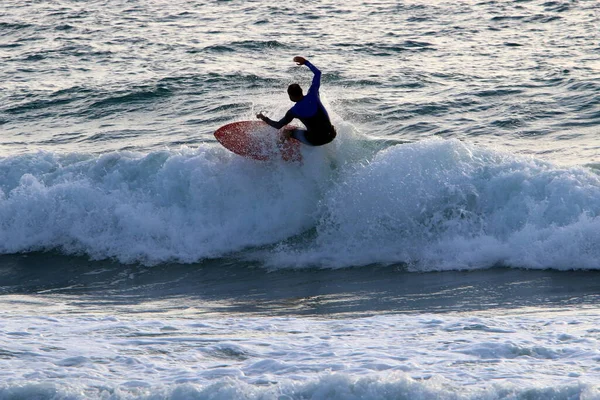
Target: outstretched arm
column 316, row 82
column 289, row 116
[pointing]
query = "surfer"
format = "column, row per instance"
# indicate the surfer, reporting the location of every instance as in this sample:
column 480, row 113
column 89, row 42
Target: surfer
column 307, row 109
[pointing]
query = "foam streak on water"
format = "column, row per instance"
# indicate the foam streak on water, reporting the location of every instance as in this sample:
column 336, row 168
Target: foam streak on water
column 552, row 355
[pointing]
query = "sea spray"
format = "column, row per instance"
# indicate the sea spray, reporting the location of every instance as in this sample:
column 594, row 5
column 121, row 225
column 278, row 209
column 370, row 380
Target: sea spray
column 441, row 204
column 435, row 204
column 172, row 205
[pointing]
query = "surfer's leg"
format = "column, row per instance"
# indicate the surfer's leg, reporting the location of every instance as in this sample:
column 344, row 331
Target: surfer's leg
column 320, row 138
column 285, row 135
column 300, row 134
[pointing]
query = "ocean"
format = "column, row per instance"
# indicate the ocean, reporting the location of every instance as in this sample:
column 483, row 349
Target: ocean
column 446, row 245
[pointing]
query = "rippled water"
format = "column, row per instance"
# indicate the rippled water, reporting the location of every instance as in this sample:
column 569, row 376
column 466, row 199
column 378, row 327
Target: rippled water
column 107, row 75
column 140, row 259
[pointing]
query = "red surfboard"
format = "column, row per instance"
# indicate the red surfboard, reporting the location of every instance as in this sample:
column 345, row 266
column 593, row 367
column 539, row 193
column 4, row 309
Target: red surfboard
column 257, row 140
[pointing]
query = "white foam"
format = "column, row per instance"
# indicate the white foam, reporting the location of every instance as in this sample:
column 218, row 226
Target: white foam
column 182, row 205
column 448, row 205
column 335, row 387
column 457, row 356
column 433, row 205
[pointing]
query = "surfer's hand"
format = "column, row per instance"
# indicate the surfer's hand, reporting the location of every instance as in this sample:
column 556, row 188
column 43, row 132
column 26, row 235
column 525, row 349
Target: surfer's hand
column 260, row 116
column 299, row 60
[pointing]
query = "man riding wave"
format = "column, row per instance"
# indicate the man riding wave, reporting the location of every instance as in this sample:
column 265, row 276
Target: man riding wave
column 309, row 110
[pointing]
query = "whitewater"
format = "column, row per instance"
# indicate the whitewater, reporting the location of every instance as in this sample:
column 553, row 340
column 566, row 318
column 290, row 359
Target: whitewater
column 444, row 246
column 431, row 205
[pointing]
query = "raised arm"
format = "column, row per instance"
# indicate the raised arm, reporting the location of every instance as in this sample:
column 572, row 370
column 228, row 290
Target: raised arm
column 316, row 82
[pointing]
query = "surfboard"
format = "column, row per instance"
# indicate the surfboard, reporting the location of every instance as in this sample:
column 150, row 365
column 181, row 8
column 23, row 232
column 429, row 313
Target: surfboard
column 259, row 141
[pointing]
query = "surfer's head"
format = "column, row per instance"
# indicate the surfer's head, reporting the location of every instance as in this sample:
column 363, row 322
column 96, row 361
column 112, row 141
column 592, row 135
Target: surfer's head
column 295, row 92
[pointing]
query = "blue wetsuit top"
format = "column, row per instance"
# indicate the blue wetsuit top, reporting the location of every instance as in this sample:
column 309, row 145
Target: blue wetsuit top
column 311, row 112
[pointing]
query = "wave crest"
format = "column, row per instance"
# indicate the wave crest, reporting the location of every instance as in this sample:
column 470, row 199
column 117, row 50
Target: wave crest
column 433, row 205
